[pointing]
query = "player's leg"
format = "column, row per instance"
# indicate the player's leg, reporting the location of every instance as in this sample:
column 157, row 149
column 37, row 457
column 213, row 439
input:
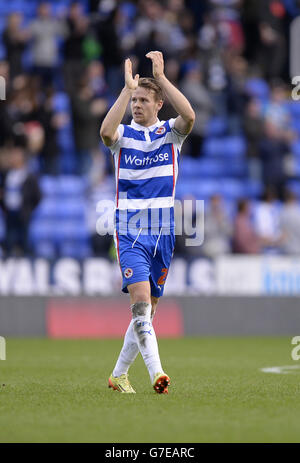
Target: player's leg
column 133, row 264
column 158, row 275
column 154, row 303
column 142, row 325
column 130, row 347
column 161, row 380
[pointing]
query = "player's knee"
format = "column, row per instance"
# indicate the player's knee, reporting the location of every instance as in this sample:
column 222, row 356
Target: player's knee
column 140, row 296
column 140, row 309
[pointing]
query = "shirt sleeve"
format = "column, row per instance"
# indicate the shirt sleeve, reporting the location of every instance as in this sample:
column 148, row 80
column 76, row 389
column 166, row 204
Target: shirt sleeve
column 115, row 148
column 178, row 137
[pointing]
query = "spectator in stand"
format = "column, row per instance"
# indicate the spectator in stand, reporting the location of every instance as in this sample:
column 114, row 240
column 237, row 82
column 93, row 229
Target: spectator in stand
column 186, row 222
column 273, row 152
column 193, row 88
column 290, row 225
column 245, row 239
column 125, row 26
column 100, row 213
column 77, row 26
column 217, row 229
column 29, row 114
column 250, row 21
column 15, row 39
column 45, row 31
column 4, row 117
column 237, row 73
column 105, row 27
column 273, row 33
column 22, row 108
column 172, row 72
column 20, row 196
column 161, row 23
column 228, row 24
column 253, row 124
column 88, row 111
column 266, row 221
column 96, row 77
column 50, row 122
column 275, row 109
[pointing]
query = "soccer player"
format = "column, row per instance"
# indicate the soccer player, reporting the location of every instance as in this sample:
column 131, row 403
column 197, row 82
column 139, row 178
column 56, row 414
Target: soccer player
column 146, row 155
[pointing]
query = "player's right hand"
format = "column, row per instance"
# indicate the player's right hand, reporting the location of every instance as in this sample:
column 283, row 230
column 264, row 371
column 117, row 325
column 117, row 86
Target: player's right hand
column 130, row 82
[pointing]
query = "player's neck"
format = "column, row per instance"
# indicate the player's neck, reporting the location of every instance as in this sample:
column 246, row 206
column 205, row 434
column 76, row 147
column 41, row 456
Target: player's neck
column 148, row 123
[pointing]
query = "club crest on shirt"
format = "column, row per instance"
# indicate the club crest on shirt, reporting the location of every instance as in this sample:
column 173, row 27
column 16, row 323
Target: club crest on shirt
column 160, row 130
column 128, row 272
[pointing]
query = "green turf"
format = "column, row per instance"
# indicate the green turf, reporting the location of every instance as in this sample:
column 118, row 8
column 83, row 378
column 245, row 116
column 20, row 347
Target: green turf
column 56, row 391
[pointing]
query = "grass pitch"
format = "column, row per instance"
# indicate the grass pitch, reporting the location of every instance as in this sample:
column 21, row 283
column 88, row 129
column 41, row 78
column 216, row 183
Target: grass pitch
column 56, row 391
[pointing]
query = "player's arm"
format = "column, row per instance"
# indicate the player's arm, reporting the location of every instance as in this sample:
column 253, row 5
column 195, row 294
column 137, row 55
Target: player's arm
column 112, row 120
column 185, row 121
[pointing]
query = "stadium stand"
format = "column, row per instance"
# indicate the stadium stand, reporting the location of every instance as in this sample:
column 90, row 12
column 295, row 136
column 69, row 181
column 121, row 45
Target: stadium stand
column 58, row 226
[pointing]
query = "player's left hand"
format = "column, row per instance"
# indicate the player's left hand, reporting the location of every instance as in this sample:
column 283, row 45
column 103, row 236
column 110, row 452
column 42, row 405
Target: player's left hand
column 157, row 63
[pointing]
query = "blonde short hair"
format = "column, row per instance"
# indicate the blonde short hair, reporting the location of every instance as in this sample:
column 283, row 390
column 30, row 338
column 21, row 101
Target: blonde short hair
column 151, row 84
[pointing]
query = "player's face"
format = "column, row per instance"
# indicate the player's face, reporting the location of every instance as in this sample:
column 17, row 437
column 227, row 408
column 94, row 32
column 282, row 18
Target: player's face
column 144, row 106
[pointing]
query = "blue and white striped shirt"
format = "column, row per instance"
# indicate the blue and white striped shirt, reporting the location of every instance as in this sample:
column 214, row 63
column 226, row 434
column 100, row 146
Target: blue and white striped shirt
column 146, row 168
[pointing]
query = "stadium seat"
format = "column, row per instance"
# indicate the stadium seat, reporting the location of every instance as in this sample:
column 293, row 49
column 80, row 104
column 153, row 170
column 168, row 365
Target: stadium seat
column 61, row 102
column 238, row 168
column 41, row 230
column 45, row 249
column 294, row 186
column 212, row 147
column 2, row 52
column 295, row 146
column 69, row 208
column 2, row 24
column 206, row 188
column 207, row 167
column 226, row 147
column 254, row 188
column 49, row 185
column 47, row 209
column 297, row 167
column 69, row 230
column 68, row 163
column 232, row 188
column 257, row 88
column 200, row 189
column 216, row 127
column 73, row 209
column 294, row 109
column 65, row 140
column 75, row 249
column 71, row 185
column 235, row 146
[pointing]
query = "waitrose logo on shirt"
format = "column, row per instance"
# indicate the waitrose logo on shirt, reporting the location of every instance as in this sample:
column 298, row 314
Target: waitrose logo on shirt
column 129, row 159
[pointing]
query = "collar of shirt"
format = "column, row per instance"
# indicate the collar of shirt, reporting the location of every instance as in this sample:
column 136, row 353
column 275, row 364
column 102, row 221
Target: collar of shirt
column 142, row 127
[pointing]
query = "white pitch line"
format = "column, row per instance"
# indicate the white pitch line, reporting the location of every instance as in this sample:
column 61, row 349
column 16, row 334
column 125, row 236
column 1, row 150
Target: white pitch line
column 283, row 370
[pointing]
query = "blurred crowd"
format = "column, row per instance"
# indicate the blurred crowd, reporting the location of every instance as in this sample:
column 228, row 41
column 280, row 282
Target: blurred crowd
column 266, row 226
column 63, row 68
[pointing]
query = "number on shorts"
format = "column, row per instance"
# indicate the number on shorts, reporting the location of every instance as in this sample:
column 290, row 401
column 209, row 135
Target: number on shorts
column 162, row 279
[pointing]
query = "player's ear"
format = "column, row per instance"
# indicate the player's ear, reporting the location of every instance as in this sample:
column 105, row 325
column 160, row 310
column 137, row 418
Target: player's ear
column 160, row 104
